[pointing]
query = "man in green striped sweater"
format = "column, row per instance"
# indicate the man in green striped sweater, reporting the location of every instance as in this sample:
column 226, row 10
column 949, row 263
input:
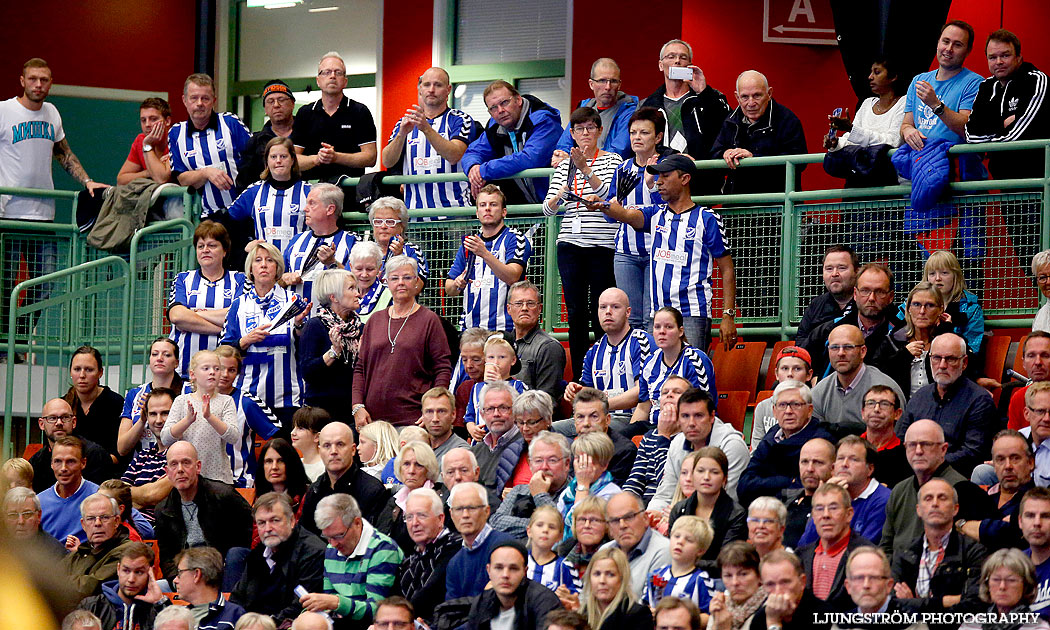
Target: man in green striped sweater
column 360, row 564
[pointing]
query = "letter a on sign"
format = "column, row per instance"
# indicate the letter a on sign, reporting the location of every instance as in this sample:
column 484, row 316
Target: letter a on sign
column 798, row 22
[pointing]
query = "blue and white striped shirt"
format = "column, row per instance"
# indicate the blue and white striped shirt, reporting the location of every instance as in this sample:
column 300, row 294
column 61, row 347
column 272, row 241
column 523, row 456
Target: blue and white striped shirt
column 134, row 405
column 270, row 371
column 192, row 290
column 474, row 402
column 549, row 574
column 255, row 418
column 615, row 369
column 279, row 214
column 692, row 364
column 629, row 240
column 419, row 157
column 485, row 296
column 220, row 145
column 298, row 250
column 695, row 585
column 682, row 257
column 375, row 299
column 414, row 253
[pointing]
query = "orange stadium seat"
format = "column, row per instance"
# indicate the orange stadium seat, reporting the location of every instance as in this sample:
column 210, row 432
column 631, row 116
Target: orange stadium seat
column 771, row 370
column 762, row 395
column 737, row 370
column 156, row 558
column 732, row 408
column 248, row 494
column 31, row 450
column 996, row 348
column 1019, row 359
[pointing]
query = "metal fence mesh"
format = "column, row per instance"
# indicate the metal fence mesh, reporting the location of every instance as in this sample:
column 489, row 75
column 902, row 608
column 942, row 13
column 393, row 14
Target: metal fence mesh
column 27, row 255
column 754, row 235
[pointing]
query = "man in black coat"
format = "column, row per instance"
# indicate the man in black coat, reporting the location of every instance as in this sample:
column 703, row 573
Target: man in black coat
column 839, row 272
column 531, row 601
column 289, row 556
column 422, row 576
column 57, row 419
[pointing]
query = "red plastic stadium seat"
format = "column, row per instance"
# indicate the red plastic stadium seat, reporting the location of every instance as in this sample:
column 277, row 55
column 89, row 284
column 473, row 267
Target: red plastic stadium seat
column 248, row 494
column 156, row 558
column 996, row 348
column 762, row 395
column 1019, row 359
column 732, row 408
column 737, row 370
column 31, row 450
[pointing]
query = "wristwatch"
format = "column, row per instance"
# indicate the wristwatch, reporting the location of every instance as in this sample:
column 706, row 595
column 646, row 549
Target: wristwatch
column 146, row 148
column 937, row 111
column 356, row 408
column 331, row 354
column 729, row 312
column 960, row 523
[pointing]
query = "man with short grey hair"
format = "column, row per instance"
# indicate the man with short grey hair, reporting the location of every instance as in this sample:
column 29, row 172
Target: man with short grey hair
column 175, row 618
column 312, row 621
column 321, row 246
column 550, row 461
column 94, row 560
column 499, row 453
column 422, row 578
column 541, row 357
column 81, row 619
column 22, row 521
column 647, row 550
column 614, row 107
column 466, row 570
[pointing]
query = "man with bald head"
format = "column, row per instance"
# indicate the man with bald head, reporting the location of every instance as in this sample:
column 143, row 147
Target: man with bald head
column 343, row 474
column 614, row 107
column 838, row 399
column 57, row 419
column 925, row 448
column 312, row 621
column 198, row 511
column 758, row 127
column 963, row 408
column 431, row 138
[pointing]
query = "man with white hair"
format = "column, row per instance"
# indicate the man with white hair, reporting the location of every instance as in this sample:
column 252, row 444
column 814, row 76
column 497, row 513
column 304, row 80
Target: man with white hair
column 422, row 577
column 470, row 511
column 964, row 410
column 322, row 246
column 550, row 461
column 335, row 135
column 95, row 560
column 175, row 618
column 22, row 521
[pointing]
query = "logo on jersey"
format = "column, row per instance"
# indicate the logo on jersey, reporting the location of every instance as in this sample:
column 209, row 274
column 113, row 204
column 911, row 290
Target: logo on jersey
column 228, row 294
column 427, row 162
column 621, row 367
column 192, row 153
column 220, row 144
column 251, row 323
column 600, row 373
column 670, row 256
column 293, row 208
column 690, row 232
column 663, row 229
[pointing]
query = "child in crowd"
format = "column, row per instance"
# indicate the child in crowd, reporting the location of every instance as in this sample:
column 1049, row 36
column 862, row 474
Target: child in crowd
column 307, row 422
column 377, row 446
column 690, row 538
column 792, row 363
column 16, row 473
column 499, row 360
column 544, row 530
column 683, row 490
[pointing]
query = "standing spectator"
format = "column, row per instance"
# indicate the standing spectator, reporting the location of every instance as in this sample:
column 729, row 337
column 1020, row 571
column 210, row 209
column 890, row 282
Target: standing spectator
column 254, row 417
column 96, row 406
column 610, row 594
column 514, row 600
column 149, row 156
column 163, row 360
column 198, row 579
column 366, row 262
column 57, row 420
column 521, row 134
column 335, row 135
column 388, row 217
column 839, row 273
column 278, row 103
column 60, row 504
column 615, row 108
column 586, row 242
column 331, row 341
column 431, row 138
column 307, row 424
column 487, row 263
column 276, row 203
column 542, row 358
column 322, row 246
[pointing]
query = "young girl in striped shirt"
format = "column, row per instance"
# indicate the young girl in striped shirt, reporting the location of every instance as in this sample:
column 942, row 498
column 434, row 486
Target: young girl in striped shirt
column 544, row 530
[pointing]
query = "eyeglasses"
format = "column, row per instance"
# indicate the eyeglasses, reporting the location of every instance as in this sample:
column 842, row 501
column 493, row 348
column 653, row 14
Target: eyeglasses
column 755, row 520
column 339, row 537
column 530, row 423
column 945, row 358
column 609, row 82
column 392, row 625
column 331, row 73
column 911, row 446
column 879, row 292
column 550, row 461
column 417, row 516
column 181, row 571
column 20, row 516
column 495, row 408
column 525, row 304
column 673, row 57
column 831, row 508
column 66, row 417
column 504, row 104
column 794, row 405
column 864, row 579
column 881, row 404
column 589, row 520
column 104, row 518
column 1009, row 581
column 586, row 128
column 385, row 222
column 1041, row 278
column 923, row 306
column 844, row 347
column 1038, row 412
column 620, row 521
column 460, row 509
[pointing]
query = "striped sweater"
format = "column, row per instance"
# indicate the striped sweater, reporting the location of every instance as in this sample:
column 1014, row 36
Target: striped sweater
column 365, row 577
column 648, row 466
column 580, row 226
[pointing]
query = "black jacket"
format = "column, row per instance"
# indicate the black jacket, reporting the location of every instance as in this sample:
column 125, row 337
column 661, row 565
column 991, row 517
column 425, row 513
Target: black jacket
column 802, row 618
column 533, row 603
column 838, row 598
column 1021, row 102
column 959, row 573
column 777, row 132
column 633, row 617
column 371, row 495
column 728, row 520
column 299, row 561
column 773, row 467
column 225, row 519
column 823, row 308
column 432, row 562
column 799, row 507
column 894, row 359
column 702, row 118
column 817, row 344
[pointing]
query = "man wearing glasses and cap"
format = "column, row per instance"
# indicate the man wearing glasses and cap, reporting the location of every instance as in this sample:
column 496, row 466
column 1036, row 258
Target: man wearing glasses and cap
column 278, row 103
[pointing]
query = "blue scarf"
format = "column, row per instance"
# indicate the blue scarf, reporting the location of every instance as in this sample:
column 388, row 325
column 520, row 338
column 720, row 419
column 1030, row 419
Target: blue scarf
column 568, row 498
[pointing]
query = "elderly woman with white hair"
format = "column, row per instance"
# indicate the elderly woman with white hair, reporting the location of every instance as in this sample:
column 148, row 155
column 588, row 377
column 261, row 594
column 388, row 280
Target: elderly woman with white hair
column 330, row 341
column 1041, row 271
column 389, row 219
column 416, row 467
column 366, row 261
column 404, row 352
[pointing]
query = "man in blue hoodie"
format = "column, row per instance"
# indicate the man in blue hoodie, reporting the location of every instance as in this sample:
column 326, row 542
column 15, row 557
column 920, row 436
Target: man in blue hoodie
column 614, row 107
column 132, row 601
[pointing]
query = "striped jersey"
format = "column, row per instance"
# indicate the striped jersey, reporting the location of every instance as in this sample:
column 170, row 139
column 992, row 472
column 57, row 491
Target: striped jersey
column 485, row 296
column 571, row 576
column 459, row 376
column 134, row 405
column 269, row 367
column 413, row 252
column 682, row 257
column 549, row 575
column 692, row 364
column 192, row 290
column 220, row 145
column 580, row 226
column 615, row 369
column 255, row 419
column 365, row 577
column 376, row 298
column 474, row 402
column 302, row 249
column 695, row 585
column 629, row 240
column 419, row 157
column 278, row 214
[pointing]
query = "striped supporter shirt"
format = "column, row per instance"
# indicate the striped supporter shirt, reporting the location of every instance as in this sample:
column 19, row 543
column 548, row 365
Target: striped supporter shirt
column 376, row 298
column 692, row 364
column 682, row 257
column 580, row 226
column 485, row 296
column 413, row 252
column 192, row 290
column 695, row 585
column 549, row 574
column 147, row 465
column 419, row 157
column 302, row 249
column 134, row 403
column 615, row 369
column 255, row 419
column 279, row 214
column 629, row 240
column 364, row 578
column 219, row 145
column 648, row 468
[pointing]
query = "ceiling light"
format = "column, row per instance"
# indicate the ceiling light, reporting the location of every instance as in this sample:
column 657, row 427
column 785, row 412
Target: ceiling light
column 322, row 9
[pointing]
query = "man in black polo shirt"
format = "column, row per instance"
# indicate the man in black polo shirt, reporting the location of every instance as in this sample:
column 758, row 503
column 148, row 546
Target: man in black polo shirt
column 335, row 135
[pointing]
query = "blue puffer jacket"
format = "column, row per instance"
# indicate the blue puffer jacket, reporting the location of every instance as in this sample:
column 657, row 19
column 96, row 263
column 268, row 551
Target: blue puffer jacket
column 929, row 171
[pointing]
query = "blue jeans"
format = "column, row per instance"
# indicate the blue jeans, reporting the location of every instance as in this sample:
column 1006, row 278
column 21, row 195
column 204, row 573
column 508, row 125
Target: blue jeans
column 698, row 332
column 632, row 276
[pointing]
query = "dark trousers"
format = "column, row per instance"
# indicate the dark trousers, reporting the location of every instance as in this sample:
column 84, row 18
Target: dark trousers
column 585, row 273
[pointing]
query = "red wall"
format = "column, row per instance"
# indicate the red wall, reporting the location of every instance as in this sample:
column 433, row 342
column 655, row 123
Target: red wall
column 129, row 44
column 404, row 59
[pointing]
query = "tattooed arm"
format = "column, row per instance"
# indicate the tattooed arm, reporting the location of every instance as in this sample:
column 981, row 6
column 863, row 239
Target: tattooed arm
column 71, row 165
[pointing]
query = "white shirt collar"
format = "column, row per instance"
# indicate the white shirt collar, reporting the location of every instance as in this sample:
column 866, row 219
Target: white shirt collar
column 870, row 490
column 367, row 531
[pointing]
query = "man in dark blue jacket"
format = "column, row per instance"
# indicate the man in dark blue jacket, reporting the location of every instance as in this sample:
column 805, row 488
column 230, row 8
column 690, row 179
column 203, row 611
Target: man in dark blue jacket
column 521, row 134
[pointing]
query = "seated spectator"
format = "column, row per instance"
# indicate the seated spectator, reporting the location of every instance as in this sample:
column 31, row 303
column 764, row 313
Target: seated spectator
column 925, row 449
column 288, row 557
column 366, row 263
column 419, row 353
column 321, row 246
column 647, row 548
column 838, row 398
column 591, row 414
column 275, row 203
column 198, row 511
column 414, row 433
column 134, row 435
column 344, row 474
column 1034, row 521
column 330, row 342
column 545, row 529
column 57, row 420
column 690, row 539
column 149, row 155
column 962, row 408
column 93, row 559
column 423, row 574
column 470, row 512
column 278, row 105
column 651, row 458
column 84, row 620
column 533, row 411
column 614, row 107
column 589, row 532
column 790, row 604
column 377, row 446
column 360, row 564
column 1035, row 359
column 22, row 516
column 870, row 583
column 307, row 424
column 953, row 578
column 541, row 357
column 816, row 464
column 711, row 503
column 1008, row 585
column 133, row 599
column 881, row 411
column 944, row 272
column 907, row 352
column 778, row 451
column 673, row 356
column 592, row 452
column 1041, row 272
column 146, row 473
column 503, row 447
column 854, row 469
column 388, row 217
column 96, row 406
column 499, row 362
column 416, row 467
column 514, row 599
column 735, row 607
column 16, row 472
column 683, row 490
column 129, row 518
column 839, row 273
column 1014, row 462
column 521, row 134
column 1037, row 402
column 198, row 578
column 791, row 363
column 257, row 621
column 283, row 473
column 766, row 518
column 60, row 504
column 439, row 413
column 825, row 559
column 549, row 460
column 610, row 599
column 470, row 367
